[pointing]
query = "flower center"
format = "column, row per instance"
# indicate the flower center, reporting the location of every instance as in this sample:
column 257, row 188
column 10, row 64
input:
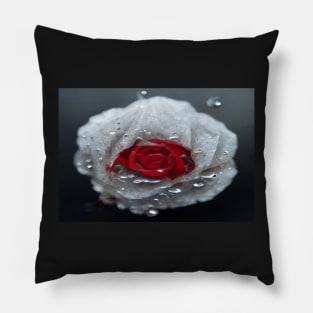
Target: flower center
column 156, row 157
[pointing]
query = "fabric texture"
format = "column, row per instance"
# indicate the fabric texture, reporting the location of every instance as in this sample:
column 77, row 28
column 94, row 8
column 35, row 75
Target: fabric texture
column 177, row 183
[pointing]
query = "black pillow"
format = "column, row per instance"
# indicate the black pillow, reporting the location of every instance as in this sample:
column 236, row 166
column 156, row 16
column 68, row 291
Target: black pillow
column 154, row 155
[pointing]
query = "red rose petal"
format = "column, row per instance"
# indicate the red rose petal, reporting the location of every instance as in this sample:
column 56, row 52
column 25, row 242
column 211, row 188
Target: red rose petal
column 156, row 157
column 166, row 159
column 148, row 162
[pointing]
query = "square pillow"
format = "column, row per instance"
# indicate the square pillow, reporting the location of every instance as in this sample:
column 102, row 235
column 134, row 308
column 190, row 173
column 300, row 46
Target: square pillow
column 154, row 155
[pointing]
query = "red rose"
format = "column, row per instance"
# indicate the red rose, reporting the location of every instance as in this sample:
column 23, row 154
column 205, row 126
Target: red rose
column 165, row 159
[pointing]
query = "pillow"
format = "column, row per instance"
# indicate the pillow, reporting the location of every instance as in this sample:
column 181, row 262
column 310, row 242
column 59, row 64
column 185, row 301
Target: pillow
column 154, row 155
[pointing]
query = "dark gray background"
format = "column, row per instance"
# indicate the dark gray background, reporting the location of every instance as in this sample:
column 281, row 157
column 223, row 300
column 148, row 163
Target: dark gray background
column 76, row 197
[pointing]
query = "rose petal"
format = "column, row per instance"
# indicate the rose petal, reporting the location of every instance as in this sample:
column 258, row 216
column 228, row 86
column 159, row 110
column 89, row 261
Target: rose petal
column 148, row 162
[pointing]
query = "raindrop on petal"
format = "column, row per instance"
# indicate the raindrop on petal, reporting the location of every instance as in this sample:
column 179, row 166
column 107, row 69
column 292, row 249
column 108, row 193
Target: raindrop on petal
column 152, row 181
column 117, row 168
column 174, row 190
column 149, row 181
column 211, row 175
column 123, row 176
column 137, row 181
column 198, row 185
column 173, row 137
column 197, row 150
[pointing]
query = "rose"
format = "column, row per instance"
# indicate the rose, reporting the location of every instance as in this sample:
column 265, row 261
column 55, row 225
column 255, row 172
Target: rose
column 155, row 154
column 166, row 159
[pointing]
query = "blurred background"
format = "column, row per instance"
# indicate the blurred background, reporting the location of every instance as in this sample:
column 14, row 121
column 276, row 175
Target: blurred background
column 77, row 200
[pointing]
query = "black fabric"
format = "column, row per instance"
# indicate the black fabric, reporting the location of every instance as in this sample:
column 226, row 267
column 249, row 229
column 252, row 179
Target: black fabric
column 72, row 61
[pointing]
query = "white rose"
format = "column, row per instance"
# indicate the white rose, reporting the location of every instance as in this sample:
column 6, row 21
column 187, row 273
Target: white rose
column 208, row 162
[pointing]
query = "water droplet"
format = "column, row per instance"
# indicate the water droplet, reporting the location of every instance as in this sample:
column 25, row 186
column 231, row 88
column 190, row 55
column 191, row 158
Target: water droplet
column 156, row 199
column 225, row 152
column 152, row 212
column 198, row 185
column 137, row 181
column 78, row 164
column 214, row 102
column 131, row 176
column 147, row 132
column 173, row 137
column 100, row 159
column 123, row 176
column 121, row 206
column 88, row 161
column 174, row 190
column 212, row 175
column 112, row 133
column 197, row 150
column 152, row 181
column 117, row 168
column 141, row 94
column 89, row 166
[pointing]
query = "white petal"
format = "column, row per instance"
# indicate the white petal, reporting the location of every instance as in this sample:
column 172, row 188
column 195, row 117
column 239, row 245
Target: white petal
column 212, row 148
